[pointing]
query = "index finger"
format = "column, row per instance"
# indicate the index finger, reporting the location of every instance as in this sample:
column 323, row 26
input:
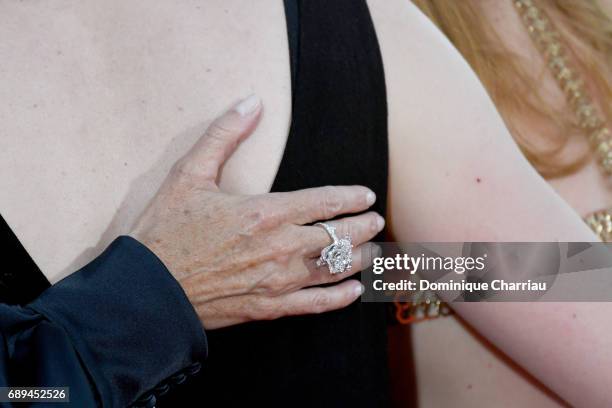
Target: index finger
column 322, row 203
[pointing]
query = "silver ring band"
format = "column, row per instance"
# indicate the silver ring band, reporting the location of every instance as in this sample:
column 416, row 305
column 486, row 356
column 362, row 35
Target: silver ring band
column 330, row 230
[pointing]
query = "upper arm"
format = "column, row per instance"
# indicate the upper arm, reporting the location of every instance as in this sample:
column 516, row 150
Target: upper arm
column 456, row 174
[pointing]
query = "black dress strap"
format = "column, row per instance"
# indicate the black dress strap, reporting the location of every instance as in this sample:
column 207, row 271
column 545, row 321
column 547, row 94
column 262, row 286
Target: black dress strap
column 293, row 36
column 338, row 135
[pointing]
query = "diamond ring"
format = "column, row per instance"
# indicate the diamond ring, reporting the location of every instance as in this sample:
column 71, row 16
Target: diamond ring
column 339, row 255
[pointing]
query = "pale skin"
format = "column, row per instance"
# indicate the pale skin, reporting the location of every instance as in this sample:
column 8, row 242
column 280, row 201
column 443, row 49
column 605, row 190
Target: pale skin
column 138, row 52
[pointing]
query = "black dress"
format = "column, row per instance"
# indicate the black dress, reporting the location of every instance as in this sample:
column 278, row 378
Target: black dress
column 338, row 136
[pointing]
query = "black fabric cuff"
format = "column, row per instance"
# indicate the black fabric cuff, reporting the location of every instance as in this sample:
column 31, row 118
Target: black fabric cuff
column 129, row 319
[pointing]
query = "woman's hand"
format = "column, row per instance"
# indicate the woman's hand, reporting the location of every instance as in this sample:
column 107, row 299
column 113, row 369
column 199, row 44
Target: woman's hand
column 241, row 257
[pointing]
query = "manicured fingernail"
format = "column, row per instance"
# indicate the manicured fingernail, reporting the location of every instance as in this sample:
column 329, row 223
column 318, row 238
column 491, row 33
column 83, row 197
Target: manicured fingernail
column 248, row 105
column 380, row 222
column 370, row 198
column 359, row 290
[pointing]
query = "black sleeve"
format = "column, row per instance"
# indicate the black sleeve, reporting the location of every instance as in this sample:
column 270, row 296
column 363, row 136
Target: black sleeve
column 116, row 332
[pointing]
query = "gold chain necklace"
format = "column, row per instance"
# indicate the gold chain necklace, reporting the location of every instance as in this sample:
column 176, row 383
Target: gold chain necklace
column 548, row 41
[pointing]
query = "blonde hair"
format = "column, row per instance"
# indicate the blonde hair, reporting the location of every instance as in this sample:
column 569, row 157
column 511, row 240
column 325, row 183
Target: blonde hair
column 514, row 90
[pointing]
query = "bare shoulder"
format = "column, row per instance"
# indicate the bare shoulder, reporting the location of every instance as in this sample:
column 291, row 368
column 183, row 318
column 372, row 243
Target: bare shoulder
column 455, row 171
column 456, row 174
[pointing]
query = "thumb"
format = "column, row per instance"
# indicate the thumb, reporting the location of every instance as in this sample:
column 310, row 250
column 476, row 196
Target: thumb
column 221, row 139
